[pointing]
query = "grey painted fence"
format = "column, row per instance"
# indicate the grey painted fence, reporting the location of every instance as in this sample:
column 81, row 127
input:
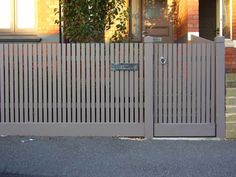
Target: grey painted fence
column 71, row 89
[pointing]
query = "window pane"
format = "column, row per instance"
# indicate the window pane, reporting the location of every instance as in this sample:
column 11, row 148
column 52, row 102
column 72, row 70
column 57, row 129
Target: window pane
column 25, row 14
column 136, row 20
column 226, row 19
column 5, row 14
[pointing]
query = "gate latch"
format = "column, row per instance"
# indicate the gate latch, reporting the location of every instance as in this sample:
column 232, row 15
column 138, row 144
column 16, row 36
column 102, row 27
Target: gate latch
column 163, row 60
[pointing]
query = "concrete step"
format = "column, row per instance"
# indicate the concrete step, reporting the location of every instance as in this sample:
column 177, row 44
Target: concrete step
column 230, row 101
column 230, row 109
column 230, row 92
column 230, row 117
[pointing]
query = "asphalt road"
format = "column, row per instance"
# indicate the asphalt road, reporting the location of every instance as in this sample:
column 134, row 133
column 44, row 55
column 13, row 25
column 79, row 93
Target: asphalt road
column 112, row 157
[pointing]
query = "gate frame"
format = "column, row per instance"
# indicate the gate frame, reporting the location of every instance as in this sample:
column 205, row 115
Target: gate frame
column 219, row 85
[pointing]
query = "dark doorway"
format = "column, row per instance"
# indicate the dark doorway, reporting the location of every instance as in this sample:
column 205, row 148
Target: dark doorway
column 207, row 19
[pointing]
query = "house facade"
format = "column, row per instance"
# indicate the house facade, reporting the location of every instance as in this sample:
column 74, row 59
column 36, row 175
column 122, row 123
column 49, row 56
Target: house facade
column 34, row 21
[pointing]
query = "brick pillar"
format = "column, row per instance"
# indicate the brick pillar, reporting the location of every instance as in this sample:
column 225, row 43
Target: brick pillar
column 188, row 16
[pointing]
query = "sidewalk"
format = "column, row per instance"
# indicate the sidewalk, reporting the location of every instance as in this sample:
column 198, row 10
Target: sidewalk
column 113, row 157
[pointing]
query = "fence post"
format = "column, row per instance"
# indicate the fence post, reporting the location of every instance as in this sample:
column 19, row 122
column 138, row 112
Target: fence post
column 220, row 86
column 148, row 59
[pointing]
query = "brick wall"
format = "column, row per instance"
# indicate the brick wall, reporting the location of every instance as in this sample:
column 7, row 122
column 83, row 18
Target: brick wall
column 234, row 18
column 188, row 16
column 46, row 17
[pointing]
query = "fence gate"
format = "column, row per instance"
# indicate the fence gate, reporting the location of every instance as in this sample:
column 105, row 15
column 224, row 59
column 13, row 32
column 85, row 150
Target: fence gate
column 185, row 77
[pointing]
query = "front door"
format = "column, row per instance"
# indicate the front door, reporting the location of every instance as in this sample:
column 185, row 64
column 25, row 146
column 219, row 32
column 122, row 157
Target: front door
column 155, row 20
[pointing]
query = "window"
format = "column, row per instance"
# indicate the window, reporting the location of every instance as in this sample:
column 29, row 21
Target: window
column 17, row 16
column 224, row 18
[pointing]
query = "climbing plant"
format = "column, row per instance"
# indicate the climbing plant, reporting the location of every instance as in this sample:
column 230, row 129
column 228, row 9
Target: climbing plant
column 87, row 20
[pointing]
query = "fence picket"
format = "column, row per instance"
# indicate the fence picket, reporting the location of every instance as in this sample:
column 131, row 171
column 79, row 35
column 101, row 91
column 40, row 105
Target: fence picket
column 136, row 84
column 194, row 83
column 68, row 79
column 131, row 82
column 165, row 87
column 117, row 88
column 179, row 77
column 59, row 83
column 54, row 82
column 175, row 61
column 170, row 83
column 73, row 83
column 208, row 82
column 49, row 51
column 45, row 83
column 11, row 67
column 2, row 82
column 141, row 78
column 98, row 117
column 199, row 83
column 6, row 66
column 122, row 116
column 107, row 77
column 160, row 85
column 126, row 85
column 102, row 83
column 88, row 79
column 93, row 86
column 21, row 86
column 184, row 81
column 40, row 84
column 189, row 82
column 213, row 82
column 112, row 58
column 78, row 61
column 203, row 84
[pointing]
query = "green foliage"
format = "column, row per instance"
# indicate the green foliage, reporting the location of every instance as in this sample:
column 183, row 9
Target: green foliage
column 87, row 20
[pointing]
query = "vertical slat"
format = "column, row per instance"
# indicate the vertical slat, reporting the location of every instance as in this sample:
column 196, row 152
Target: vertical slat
column 194, row 82
column 11, row 67
column 199, row 83
column 88, row 101
column 156, row 79
column 45, row 84
column 68, row 74
column 102, row 84
column 184, row 89
column 141, row 83
column 30, row 58
column 127, row 74
column 83, row 81
column 160, row 84
column 73, row 84
column 170, row 85
column 40, row 85
column 64, row 104
column 49, row 53
column 122, row 84
column 203, row 84
column 108, row 118
column 59, row 82
column 25, row 83
column 79, row 118
column 54, row 82
column 165, row 88
column 136, row 85
column 7, row 85
column 2, row 82
column 117, row 88
column 189, row 82
column 213, row 82
column 21, row 81
column 112, row 79
column 208, row 82
column 174, row 83
column 16, row 73
column 179, row 76
column 93, row 90
column 98, row 117
column 131, row 82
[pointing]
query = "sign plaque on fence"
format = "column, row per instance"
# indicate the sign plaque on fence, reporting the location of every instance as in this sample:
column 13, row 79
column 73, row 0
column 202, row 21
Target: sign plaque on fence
column 124, row 67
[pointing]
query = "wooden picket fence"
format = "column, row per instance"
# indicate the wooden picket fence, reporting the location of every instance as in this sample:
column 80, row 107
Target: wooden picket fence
column 71, row 89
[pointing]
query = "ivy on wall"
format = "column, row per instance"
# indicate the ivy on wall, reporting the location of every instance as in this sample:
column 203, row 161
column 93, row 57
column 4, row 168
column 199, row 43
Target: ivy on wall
column 87, row 20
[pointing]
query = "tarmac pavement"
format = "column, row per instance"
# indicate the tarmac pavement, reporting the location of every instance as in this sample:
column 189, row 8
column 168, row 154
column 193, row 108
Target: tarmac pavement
column 114, row 157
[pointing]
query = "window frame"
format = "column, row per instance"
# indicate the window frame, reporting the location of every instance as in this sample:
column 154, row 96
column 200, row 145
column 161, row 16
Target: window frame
column 13, row 30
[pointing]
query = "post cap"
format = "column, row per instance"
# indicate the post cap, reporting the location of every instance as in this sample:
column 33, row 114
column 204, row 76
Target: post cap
column 220, row 39
column 148, row 39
